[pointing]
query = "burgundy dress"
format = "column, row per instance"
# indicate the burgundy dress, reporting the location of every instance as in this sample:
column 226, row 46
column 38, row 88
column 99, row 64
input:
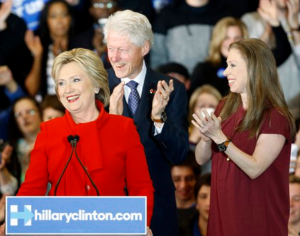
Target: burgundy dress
column 239, row 205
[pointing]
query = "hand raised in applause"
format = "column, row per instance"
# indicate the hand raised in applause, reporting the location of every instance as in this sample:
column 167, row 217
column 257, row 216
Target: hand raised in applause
column 209, row 126
column 161, row 98
column 116, row 100
column 33, row 43
column 5, row 10
column 5, row 156
column 293, row 12
column 268, row 11
column 7, row 80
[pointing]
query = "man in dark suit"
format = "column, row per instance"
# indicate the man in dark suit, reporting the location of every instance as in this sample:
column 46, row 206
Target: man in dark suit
column 157, row 104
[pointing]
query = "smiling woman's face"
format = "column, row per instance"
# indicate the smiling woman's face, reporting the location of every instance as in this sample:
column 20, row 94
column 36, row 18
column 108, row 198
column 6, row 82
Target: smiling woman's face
column 75, row 89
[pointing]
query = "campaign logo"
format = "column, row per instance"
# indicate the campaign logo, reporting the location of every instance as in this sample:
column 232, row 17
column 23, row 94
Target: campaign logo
column 72, row 215
column 26, row 215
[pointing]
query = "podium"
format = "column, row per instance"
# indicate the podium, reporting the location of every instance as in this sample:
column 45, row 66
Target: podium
column 76, row 215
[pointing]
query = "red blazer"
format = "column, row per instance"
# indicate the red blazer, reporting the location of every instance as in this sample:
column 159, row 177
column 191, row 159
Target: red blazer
column 109, row 148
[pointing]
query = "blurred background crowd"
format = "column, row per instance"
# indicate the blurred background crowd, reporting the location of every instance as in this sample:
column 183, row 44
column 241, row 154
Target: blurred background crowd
column 191, row 40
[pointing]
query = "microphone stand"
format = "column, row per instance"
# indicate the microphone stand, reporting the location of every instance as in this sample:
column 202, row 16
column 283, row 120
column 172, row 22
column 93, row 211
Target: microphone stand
column 73, row 141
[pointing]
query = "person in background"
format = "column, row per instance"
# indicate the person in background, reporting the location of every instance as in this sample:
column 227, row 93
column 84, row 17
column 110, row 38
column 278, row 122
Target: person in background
column 287, row 13
column 196, row 224
column 206, row 97
column 13, row 91
column 185, row 177
column 13, row 51
column 177, row 71
column 55, row 36
column 156, row 103
column 144, row 7
column 51, row 108
column 8, row 182
column 109, row 146
column 227, row 31
column 249, row 141
column 24, row 129
column 294, row 220
column 93, row 38
column 182, row 32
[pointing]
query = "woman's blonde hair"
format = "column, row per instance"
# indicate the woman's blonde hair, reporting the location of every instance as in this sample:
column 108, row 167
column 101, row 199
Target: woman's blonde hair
column 194, row 97
column 263, row 87
column 91, row 64
column 219, row 34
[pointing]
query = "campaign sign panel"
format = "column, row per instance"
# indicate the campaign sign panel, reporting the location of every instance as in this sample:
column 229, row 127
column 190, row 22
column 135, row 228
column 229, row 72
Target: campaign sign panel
column 76, row 215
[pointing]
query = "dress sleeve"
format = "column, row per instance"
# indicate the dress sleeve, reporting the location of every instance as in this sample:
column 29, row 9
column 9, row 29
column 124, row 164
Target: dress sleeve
column 36, row 178
column 275, row 123
column 137, row 174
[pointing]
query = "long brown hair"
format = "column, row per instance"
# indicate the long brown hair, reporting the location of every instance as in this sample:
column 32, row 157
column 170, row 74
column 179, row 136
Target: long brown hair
column 263, row 88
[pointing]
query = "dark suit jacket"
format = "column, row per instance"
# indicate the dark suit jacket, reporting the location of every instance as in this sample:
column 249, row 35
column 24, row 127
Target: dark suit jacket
column 170, row 146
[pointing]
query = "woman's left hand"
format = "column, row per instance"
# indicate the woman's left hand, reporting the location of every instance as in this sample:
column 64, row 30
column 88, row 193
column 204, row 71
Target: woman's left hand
column 209, row 125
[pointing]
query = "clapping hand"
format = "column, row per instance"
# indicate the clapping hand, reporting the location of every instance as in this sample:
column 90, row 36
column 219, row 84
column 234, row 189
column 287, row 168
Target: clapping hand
column 33, row 43
column 5, row 75
column 268, row 11
column 5, row 156
column 116, row 100
column 5, row 10
column 161, row 98
column 293, row 13
column 208, row 124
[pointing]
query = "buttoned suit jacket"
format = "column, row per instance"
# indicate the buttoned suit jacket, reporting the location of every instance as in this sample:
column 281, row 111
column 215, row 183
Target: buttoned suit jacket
column 169, row 147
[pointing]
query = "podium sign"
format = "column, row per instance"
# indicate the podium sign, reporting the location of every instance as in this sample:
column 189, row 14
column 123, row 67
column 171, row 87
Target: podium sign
column 76, row 215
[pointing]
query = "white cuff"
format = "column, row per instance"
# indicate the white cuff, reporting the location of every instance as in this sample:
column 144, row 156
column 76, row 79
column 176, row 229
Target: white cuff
column 157, row 130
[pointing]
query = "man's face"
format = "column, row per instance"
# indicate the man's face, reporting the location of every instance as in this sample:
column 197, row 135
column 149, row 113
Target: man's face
column 125, row 57
column 294, row 203
column 184, row 180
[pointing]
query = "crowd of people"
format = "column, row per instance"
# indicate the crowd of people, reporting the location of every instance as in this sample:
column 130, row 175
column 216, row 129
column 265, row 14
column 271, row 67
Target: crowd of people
column 200, row 100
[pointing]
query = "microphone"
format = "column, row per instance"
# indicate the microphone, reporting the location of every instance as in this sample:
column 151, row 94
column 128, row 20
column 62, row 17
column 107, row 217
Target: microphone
column 73, row 140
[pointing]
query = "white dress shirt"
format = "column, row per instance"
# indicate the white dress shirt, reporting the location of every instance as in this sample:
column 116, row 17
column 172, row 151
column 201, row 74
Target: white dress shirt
column 140, row 79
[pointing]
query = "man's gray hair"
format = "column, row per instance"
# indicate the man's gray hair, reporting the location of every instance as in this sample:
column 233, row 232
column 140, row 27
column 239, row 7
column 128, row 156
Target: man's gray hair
column 132, row 24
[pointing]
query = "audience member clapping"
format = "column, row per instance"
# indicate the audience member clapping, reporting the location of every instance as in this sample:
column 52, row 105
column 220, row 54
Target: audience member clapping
column 12, row 91
column 55, row 33
column 287, row 13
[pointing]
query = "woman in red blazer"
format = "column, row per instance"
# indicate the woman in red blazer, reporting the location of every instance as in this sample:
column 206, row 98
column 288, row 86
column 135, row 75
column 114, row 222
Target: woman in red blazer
column 109, row 146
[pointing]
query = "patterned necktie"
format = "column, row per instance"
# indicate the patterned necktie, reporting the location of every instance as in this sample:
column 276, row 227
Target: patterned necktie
column 134, row 97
